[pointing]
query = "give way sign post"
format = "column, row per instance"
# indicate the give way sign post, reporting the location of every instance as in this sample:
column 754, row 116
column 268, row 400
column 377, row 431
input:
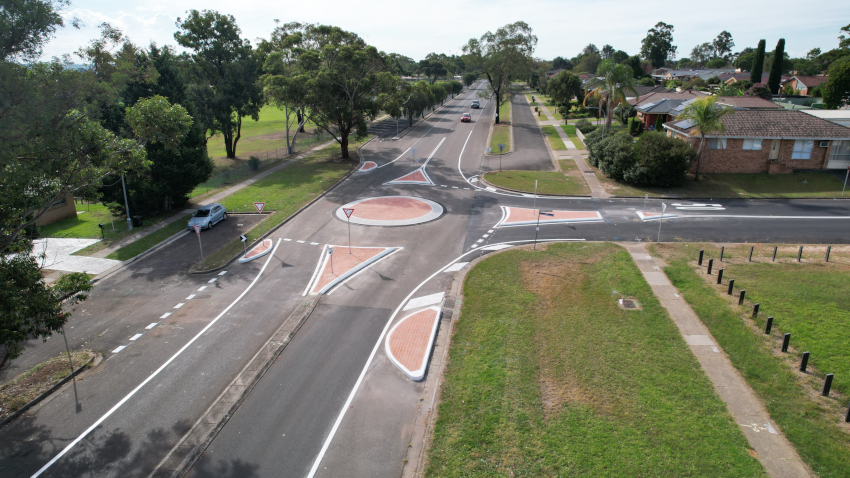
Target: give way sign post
column 197, row 229
column 260, row 206
column 348, row 212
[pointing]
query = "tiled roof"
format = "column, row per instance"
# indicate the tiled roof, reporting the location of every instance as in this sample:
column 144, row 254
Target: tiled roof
column 660, row 107
column 673, row 95
column 811, row 81
column 746, row 76
column 770, row 124
column 645, row 90
column 748, row 102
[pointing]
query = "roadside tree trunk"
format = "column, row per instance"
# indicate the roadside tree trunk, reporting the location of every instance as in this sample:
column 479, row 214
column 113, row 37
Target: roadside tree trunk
column 699, row 155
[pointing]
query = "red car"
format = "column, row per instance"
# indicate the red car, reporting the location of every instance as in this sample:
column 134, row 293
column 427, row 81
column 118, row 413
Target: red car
column 466, row 118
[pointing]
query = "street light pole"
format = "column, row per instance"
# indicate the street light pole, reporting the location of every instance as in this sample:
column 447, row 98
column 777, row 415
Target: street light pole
column 126, row 205
column 663, row 208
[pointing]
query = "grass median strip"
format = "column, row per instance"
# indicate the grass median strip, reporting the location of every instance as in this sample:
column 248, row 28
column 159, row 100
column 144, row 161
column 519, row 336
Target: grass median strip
column 143, row 244
column 568, row 182
column 571, row 133
column 554, row 139
column 502, row 131
column 547, row 376
column 810, row 422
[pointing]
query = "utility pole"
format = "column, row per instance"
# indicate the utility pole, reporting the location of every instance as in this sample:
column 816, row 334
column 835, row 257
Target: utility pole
column 126, row 205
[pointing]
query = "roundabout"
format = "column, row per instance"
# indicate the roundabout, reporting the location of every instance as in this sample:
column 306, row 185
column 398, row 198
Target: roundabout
column 391, row 211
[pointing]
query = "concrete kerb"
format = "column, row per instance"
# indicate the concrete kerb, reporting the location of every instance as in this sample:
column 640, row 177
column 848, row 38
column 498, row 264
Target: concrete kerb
column 363, row 265
column 194, row 442
column 481, row 179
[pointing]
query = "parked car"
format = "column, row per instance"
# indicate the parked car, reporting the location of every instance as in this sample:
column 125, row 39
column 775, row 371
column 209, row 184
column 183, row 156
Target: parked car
column 208, row 216
column 475, row 104
column 465, row 118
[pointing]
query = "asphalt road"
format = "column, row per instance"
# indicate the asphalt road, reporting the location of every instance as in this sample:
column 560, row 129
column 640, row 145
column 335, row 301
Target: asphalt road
column 332, row 403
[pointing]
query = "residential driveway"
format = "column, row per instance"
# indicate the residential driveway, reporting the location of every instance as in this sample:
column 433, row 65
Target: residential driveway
column 57, row 255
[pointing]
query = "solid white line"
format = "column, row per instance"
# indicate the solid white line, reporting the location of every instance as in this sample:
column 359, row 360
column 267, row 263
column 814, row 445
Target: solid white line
column 178, row 305
column 120, row 348
column 154, row 374
column 136, row 337
column 434, row 152
column 314, row 243
column 347, row 404
column 152, row 325
column 165, row 315
column 316, row 272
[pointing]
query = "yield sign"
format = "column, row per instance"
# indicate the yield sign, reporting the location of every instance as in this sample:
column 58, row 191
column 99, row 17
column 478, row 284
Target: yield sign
column 259, row 206
column 197, row 229
column 348, row 212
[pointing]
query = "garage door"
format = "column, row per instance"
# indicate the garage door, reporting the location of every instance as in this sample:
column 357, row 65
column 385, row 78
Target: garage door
column 839, row 158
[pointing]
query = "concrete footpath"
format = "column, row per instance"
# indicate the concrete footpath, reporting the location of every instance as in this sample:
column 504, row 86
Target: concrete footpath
column 773, row 450
column 596, row 189
column 211, row 199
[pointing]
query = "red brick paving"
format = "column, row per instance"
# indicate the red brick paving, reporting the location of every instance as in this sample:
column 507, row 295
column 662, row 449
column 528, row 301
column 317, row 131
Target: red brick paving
column 259, row 249
column 523, row 215
column 416, row 176
column 343, row 262
column 409, row 341
column 391, row 209
column 368, row 165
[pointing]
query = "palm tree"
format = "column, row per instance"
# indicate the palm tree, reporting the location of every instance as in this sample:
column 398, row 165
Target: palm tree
column 706, row 117
column 612, row 82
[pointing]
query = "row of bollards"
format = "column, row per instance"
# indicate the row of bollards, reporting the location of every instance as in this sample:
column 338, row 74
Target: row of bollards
column 786, row 338
column 752, row 250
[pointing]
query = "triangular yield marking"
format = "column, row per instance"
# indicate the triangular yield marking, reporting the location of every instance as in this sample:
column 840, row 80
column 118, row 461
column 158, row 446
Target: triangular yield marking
column 416, row 177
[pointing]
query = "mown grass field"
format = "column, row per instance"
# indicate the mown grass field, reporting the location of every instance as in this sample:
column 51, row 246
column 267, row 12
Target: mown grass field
column 808, row 300
column 568, row 181
column 547, row 376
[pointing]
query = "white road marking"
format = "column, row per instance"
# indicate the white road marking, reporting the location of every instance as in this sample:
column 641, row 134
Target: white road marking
column 454, row 187
column 202, row 288
column 165, row 315
column 212, row 280
column 300, row 242
column 179, row 305
column 154, row 374
column 117, row 349
column 473, row 180
column 314, row 243
column 425, row 301
column 480, row 240
column 456, row 266
column 287, row 239
column 136, row 337
column 492, row 190
column 191, row 296
column 152, row 325
column 486, row 235
column 222, row 273
column 466, row 189
column 443, row 186
column 490, row 231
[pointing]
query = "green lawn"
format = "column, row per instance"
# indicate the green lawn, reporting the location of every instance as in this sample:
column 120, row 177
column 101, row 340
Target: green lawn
column 567, row 183
column 284, row 192
column 547, row 376
column 571, row 133
column 554, row 139
column 259, row 136
column 807, row 300
column 502, row 131
column 141, row 245
column 795, row 185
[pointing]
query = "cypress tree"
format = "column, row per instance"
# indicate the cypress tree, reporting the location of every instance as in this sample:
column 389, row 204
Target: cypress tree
column 776, row 68
column 659, row 123
column 758, row 64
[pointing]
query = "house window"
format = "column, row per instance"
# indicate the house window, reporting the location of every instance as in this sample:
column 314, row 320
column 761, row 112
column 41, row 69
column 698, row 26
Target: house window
column 840, row 151
column 752, row 145
column 717, row 143
column 802, row 149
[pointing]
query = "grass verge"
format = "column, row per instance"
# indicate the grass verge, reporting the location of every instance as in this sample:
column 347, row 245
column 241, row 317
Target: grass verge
column 547, row 376
column 812, row 423
column 568, row 182
column 554, row 139
column 285, row 192
column 143, row 244
column 502, row 131
column 571, row 133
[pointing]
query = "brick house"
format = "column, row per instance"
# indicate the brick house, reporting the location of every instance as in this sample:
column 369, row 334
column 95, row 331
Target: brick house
column 660, row 103
column 769, row 141
column 61, row 209
column 804, row 84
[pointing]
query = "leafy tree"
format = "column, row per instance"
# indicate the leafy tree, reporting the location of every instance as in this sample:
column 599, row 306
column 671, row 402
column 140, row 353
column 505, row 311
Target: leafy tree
column 469, row 79
column 614, row 154
column 400, row 65
column 659, row 123
column 26, row 25
column 560, row 63
column 438, row 92
column 341, row 79
column 685, row 63
column 714, row 80
column 813, row 53
column 647, row 81
column 716, row 63
column 620, row 56
column 844, row 40
column 612, row 82
column 702, row 53
column 673, row 84
column 607, row 52
column 432, row 70
column 454, row 87
column 634, row 63
column 658, row 45
column 588, row 64
column 759, row 90
column 744, row 60
column 563, row 88
column 225, row 74
column 707, row 117
column 418, row 99
column 758, row 63
column 695, row 82
column 590, row 49
column 823, row 61
column 723, row 45
column 503, row 56
column 836, row 91
column 659, row 161
column 776, row 69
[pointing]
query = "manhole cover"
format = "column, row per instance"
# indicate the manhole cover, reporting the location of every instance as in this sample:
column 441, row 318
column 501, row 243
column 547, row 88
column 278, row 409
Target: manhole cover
column 629, row 304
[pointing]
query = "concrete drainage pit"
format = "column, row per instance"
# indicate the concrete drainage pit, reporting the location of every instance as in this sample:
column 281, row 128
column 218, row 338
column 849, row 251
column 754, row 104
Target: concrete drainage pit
column 629, row 304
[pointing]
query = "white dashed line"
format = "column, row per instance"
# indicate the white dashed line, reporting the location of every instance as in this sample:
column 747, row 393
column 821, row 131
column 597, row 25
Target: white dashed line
column 287, row 239
column 466, row 189
column 165, row 315
column 300, row 242
column 479, row 240
column 136, row 337
column 222, row 273
column 118, row 349
column 486, row 235
column 152, row 325
column 202, row 288
column 490, row 231
column 314, row 243
column 192, row 296
column 212, row 280
column 178, row 305
column 454, row 187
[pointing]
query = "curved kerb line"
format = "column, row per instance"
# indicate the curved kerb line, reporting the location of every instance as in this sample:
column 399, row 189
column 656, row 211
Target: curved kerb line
column 423, row 366
column 322, row 259
column 155, row 373
column 341, row 415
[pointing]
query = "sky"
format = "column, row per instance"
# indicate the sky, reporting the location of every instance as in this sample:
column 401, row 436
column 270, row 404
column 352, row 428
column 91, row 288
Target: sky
column 415, row 29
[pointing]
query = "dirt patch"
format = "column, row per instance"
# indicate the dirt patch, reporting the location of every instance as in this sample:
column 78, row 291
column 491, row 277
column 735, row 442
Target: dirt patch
column 23, row 389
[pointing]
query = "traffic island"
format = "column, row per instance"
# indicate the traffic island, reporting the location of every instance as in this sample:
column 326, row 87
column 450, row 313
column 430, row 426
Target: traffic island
column 518, row 216
column 339, row 263
column 409, row 343
column 390, row 211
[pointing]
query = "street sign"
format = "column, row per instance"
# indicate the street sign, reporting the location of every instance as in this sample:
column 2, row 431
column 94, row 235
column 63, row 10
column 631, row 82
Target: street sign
column 330, row 250
column 348, row 212
column 259, row 206
column 197, row 229
column 501, row 147
column 242, row 237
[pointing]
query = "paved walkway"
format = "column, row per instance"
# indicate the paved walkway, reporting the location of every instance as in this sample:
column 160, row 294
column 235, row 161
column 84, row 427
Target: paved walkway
column 58, row 256
column 211, row 199
column 775, row 453
column 596, row 189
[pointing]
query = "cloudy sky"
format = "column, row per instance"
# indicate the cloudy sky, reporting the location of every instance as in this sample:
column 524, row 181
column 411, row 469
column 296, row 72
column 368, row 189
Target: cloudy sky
column 415, row 29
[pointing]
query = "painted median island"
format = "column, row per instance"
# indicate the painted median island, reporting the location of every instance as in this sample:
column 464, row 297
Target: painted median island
column 548, row 376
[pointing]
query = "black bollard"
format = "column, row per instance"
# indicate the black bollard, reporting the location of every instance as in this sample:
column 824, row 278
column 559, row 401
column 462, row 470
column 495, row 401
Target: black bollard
column 710, row 264
column 785, row 342
column 722, row 250
column 756, row 310
column 741, row 298
column 847, row 417
column 719, row 275
column 800, row 254
column 731, row 284
column 768, row 325
column 827, row 384
column 828, row 250
column 751, row 254
column 701, row 252
column 804, row 362
column 774, row 253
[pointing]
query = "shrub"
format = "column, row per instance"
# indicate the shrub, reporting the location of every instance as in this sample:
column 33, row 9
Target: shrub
column 592, row 140
column 647, row 81
column 640, row 128
column 659, row 123
column 614, row 155
column 253, row 163
column 585, row 126
column 714, row 80
column 633, row 126
column 659, row 161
